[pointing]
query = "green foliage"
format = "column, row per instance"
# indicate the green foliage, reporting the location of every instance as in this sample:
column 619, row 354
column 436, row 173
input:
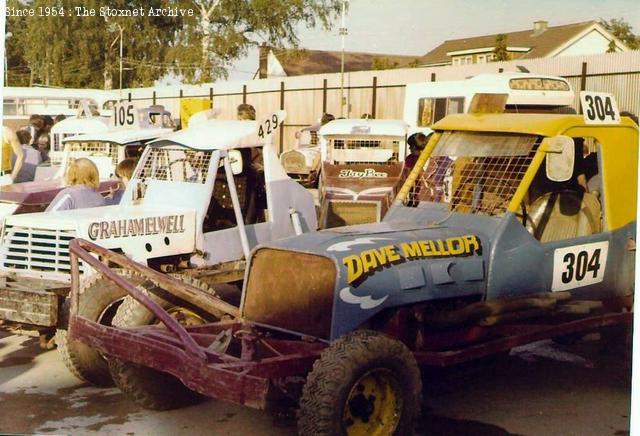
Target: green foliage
column 501, row 53
column 623, row 31
column 74, row 51
column 223, row 30
column 383, row 64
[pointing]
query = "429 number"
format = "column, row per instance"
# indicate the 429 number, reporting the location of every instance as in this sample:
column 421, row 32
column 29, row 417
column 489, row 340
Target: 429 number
column 577, row 266
column 269, row 126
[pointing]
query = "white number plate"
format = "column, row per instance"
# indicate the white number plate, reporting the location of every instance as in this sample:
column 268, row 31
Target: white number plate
column 579, row 265
column 599, row 108
column 125, row 115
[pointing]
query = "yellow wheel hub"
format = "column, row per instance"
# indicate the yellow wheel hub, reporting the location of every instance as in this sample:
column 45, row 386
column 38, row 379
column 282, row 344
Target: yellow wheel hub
column 374, row 405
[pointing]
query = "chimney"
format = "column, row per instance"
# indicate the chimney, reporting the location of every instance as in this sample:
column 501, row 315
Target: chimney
column 263, row 55
column 539, row 27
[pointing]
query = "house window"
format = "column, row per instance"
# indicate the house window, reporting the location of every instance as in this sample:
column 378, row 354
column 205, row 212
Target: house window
column 456, row 61
column 481, row 59
column 491, row 57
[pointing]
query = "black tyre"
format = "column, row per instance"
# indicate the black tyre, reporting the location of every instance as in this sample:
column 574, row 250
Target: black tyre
column 99, row 301
column 363, row 383
column 150, row 388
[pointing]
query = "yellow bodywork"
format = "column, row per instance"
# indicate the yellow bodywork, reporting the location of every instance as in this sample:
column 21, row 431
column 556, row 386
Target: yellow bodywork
column 619, row 154
column 191, row 106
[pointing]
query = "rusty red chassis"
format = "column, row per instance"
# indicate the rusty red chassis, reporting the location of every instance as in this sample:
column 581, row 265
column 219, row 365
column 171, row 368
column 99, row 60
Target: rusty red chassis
column 255, row 365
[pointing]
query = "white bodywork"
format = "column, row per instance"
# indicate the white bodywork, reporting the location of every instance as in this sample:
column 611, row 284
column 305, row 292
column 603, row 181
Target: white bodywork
column 456, row 96
column 374, row 131
column 164, row 207
column 22, row 102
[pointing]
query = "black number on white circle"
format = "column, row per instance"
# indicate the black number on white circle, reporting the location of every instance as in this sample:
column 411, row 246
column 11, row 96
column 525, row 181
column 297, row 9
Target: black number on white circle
column 578, row 266
column 599, row 109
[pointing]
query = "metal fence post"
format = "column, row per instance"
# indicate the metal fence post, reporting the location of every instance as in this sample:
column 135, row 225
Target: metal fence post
column 282, row 124
column 154, row 97
column 324, row 96
column 244, row 94
column 583, row 84
column 211, row 96
column 433, row 77
column 374, row 96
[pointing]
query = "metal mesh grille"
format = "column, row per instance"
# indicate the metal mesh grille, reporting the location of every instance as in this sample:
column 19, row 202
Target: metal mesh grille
column 91, row 149
column 474, row 173
column 353, row 151
column 314, row 137
column 26, row 248
column 174, row 164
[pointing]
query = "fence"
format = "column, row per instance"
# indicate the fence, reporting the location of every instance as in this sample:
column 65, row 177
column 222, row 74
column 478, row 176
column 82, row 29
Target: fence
column 381, row 93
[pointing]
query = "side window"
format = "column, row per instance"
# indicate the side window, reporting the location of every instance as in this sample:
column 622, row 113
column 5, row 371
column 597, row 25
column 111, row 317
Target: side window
column 251, row 191
column 566, row 210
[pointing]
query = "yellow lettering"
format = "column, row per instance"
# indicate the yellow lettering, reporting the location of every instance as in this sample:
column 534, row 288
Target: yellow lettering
column 455, row 246
column 381, row 255
column 368, row 260
column 442, row 248
column 411, row 249
column 392, row 254
column 471, row 241
column 426, row 249
column 354, row 268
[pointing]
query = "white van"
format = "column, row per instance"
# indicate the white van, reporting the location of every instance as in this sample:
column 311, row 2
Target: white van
column 428, row 102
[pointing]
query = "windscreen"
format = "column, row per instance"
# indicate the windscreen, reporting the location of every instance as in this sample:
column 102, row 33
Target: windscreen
column 174, row 164
column 474, row 172
column 353, row 150
column 96, row 151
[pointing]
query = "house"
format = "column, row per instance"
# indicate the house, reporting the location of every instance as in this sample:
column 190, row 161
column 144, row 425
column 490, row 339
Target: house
column 541, row 41
column 290, row 62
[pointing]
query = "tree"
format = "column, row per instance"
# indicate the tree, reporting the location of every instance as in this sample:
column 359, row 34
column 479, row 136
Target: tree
column 224, row 30
column 501, row 53
column 623, row 31
column 81, row 51
column 383, row 63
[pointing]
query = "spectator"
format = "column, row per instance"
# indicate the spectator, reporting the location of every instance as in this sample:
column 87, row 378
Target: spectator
column 58, row 118
column 36, row 127
column 416, row 142
column 10, row 147
column 326, row 118
column 124, row 172
column 48, row 123
column 31, row 158
column 82, row 179
column 43, row 147
column 246, row 112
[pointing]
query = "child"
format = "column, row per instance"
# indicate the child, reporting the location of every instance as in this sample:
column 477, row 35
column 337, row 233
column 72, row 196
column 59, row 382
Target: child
column 83, row 180
column 124, row 172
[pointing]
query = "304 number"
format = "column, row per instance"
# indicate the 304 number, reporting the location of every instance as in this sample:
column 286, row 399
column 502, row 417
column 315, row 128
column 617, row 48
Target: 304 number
column 599, row 108
column 578, row 266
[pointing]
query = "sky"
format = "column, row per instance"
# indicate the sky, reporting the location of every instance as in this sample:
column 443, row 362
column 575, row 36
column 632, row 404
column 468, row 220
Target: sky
column 414, row 27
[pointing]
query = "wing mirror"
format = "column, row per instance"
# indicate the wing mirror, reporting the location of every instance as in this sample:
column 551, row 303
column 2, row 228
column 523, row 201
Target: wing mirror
column 561, row 154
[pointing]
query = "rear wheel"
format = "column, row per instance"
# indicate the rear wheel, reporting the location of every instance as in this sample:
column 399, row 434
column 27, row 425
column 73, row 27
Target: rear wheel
column 364, row 383
column 150, row 388
column 99, row 301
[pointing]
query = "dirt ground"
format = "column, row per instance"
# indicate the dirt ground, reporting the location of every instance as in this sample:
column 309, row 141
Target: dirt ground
column 541, row 389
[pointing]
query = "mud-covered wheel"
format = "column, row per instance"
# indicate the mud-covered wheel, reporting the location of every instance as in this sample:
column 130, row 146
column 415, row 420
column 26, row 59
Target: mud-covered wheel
column 150, row 388
column 99, row 301
column 364, row 383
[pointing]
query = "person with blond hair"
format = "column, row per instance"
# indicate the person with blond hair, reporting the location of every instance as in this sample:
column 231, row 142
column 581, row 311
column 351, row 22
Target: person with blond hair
column 82, row 179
